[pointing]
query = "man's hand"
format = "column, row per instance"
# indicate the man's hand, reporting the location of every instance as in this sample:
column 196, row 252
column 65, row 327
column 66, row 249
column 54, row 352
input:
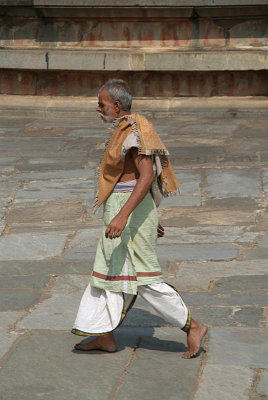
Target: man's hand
column 160, row 231
column 116, row 226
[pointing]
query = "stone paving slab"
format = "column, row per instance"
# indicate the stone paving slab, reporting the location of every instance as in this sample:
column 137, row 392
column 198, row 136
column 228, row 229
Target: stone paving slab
column 51, row 350
column 214, row 252
column 44, row 211
column 198, row 275
column 163, row 379
column 7, row 320
column 186, row 216
column 31, row 247
column 262, row 387
column 233, row 183
column 209, row 234
column 19, row 299
column 197, row 252
column 44, row 267
column 246, row 316
column 232, row 354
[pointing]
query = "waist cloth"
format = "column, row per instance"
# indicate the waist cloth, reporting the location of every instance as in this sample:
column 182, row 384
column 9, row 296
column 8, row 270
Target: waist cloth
column 122, row 264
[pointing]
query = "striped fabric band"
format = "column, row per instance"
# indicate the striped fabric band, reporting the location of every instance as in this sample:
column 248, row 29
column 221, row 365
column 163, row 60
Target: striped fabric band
column 124, row 187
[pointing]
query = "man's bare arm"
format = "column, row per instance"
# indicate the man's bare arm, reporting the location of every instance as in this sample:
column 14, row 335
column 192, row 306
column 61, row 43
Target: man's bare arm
column 146, row 176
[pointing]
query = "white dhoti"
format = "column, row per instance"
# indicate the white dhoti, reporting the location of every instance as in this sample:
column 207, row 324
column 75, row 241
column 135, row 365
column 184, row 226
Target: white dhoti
column 101, row 311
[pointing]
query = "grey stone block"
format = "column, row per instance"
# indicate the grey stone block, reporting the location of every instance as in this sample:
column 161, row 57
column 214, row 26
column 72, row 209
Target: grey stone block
column 262, row 387
column 47, row 190
column 203, row 216
column 232, row 183
column 240, row 347
column 198, row 275
column 58, row 312
column 197, row 252
column 189, row 190
column 206, row 61
column 44, row 267
column 21, row 59
column 86, row 238
column 225, row 299
column 7, row 320
column 31, row 247
column 242, row 283
column 17, row 282
column 227, row 316
column 218, row 382
column 51, row 352
column 163, row 350
column 209, row 234
column 258, row 253
column 37, row 211
column 18, row 299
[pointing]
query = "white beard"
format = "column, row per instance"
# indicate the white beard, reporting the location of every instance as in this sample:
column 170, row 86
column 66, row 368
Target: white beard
column 106, row 118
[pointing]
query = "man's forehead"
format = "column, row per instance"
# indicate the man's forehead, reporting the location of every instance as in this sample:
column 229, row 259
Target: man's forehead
column 104, row 96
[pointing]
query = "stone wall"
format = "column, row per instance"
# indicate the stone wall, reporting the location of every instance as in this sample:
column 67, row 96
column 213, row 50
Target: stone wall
column 191, row 49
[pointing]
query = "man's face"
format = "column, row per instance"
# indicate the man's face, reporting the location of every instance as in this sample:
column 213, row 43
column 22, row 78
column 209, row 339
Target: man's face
column 106, row 107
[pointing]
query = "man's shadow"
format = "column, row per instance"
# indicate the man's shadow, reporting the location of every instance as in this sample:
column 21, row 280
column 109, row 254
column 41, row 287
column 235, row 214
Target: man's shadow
column 138, row 330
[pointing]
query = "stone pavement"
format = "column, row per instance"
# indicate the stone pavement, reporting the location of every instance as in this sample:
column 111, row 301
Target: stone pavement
column 215, row 251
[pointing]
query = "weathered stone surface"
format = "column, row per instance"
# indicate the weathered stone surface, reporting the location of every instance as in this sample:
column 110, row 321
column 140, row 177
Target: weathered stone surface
column 209, row 234
column 258, row 283
column 7, row 320
column 39, row 375
column 189, row 190
column 87, row 237
column 18, row 299
column 30, row 281
column 238, row 347
column 265, row 180
column 262, row 387
column 228, row 316
column 259, row 253
column 236, row 299
column 222, row 383
column 233, row 183
column 263, row 241
column 197, row 252
column 44, row 267
column 42, row 211
column 183, row 217
column 163, row 349
column 31, row 247
column 56, row 190
column 232, row 202
column 57, row 174
column 84, row 253
column 58, row 312
column 197, row 275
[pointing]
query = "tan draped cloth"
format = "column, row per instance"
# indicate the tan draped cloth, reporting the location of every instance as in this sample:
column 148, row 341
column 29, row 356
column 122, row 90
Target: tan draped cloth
column 126, row 129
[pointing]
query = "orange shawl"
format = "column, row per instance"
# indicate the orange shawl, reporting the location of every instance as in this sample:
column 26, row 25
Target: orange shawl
column 149, row 143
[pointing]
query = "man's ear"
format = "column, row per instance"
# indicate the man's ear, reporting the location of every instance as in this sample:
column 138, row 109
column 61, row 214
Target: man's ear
column 117, row 106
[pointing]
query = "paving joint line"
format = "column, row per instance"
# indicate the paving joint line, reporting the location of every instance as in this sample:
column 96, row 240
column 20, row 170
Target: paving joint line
column 201, row 368
column 121, row 380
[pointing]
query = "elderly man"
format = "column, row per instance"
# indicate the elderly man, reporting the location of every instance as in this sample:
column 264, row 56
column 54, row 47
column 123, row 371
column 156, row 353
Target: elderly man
column 133, row 176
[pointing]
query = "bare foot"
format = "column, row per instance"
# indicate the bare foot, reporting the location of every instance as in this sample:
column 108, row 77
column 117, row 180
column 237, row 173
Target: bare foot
column 194, row 338
column 104, row 342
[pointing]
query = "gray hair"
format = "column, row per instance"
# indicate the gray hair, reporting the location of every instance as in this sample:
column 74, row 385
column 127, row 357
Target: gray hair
column 118, row 90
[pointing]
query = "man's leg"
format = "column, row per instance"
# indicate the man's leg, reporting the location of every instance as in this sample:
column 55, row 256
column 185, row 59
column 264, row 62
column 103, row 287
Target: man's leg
column 168, row 303
column 101, row 311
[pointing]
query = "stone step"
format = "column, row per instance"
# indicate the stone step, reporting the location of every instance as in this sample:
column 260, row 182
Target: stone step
column 85, row 107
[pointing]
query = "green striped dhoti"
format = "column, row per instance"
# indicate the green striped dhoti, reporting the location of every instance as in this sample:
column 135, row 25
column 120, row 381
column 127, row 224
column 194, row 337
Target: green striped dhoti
column 123, row 263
